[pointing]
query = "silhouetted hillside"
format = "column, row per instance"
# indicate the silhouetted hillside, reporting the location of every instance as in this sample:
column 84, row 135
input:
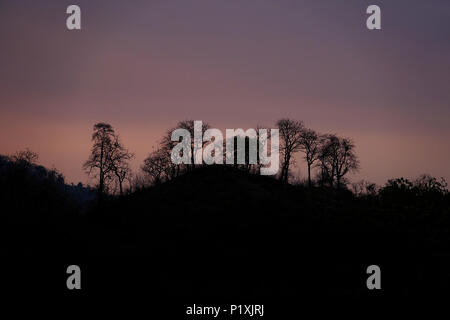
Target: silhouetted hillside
column 220, row 232
column 38, row 207
column 226, row 232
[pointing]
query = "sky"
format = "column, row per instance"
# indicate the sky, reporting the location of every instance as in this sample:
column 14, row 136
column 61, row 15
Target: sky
column 142, row 66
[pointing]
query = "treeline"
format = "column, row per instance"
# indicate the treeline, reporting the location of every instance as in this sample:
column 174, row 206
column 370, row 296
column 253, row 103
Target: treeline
column 329, row 159
column 32, row 192
column 332, row 156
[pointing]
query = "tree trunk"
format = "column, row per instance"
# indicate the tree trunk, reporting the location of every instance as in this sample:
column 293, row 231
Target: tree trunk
column 101, row 182
column 120, row 187
column 282, row 172
column 286, row 169
column 100, row 186
column 309, row 175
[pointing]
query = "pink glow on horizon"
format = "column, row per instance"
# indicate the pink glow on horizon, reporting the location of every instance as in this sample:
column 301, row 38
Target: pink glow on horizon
column 145, row 66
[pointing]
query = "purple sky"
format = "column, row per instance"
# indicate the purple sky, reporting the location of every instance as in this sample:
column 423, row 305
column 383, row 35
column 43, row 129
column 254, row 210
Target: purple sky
column 144, row 65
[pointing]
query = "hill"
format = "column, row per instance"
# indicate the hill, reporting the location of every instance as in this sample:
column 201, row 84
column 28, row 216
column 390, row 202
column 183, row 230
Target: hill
column 224, row 232
column 220, row 232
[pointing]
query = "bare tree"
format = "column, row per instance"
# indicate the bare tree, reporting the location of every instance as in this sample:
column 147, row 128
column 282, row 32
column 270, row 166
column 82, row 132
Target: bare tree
column 364, row 188
column 167, row 145
column 156, row 166
column 291, row 137
column 25, row 156
column 346, row 161
column 337, row 158
column 119, row 162
column 262, row 142
column 103, row 138
column 165, row 148
column 310, row 145
column 108, row 156
column 328, row 150
column 189, row 126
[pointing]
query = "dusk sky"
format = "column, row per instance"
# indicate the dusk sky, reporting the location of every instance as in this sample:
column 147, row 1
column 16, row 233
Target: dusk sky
column 144, row 65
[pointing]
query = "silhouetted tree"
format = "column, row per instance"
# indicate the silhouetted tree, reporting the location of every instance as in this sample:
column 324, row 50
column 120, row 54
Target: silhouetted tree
column 189, row 126
column 261, row 143
column 310, row 144
column 100, row 157
column 426, row 184
column 119, row 162
column 424, row 189
column 108, row 156
column 157, row 166
column 337, row 158
column 167, row 145
column 290, row 142
column 364, row 188
column 246, row 165
column 25, row 157
column 165, row 148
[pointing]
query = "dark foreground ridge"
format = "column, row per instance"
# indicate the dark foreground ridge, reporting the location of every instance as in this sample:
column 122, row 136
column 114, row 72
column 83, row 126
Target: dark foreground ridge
column 218, row 232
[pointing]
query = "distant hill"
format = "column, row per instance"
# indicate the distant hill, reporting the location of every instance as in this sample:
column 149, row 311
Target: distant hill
column 37, row 204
